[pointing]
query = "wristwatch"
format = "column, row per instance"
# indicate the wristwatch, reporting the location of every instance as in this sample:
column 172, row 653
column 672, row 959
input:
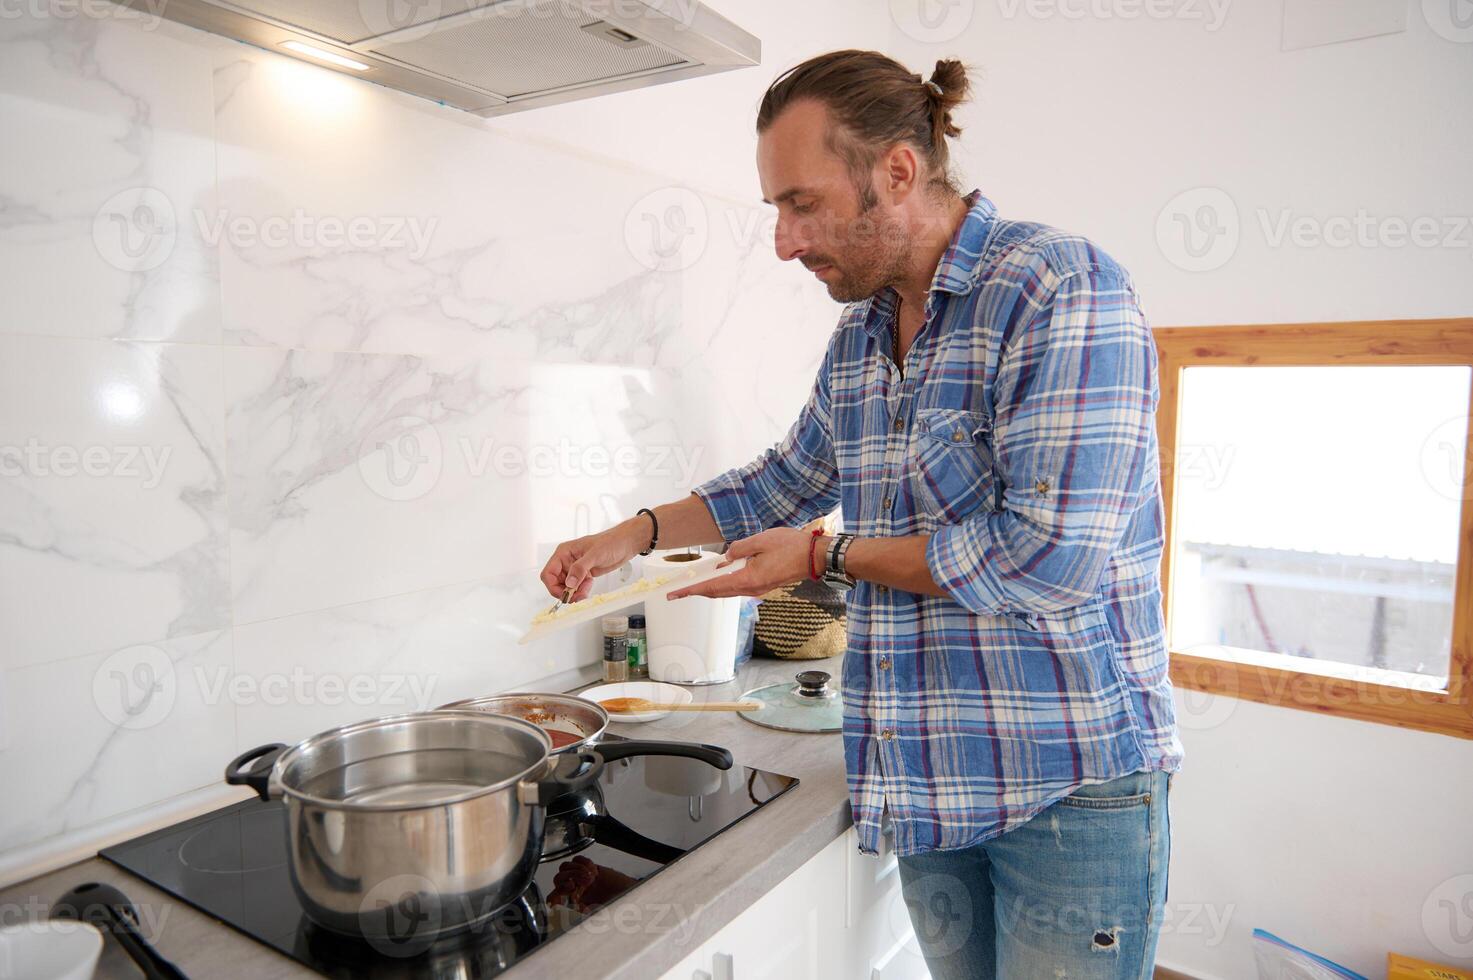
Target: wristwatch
column 835, row 574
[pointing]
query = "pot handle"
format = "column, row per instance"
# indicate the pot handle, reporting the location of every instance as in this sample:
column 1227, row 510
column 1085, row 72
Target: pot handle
column 258, row 776
column 713, row 755
column 543, row 791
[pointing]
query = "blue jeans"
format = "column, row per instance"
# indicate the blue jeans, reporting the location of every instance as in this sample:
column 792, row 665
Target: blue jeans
column 1078, row 891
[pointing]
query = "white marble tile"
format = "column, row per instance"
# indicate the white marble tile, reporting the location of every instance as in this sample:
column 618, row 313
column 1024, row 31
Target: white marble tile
column 304, row 674
column 112, row 505
column 319, row 517
column 472, row 241
column 743, row 310
column 109, row 154
column 728, row 418
column 89, row 738
column 466, row 241
column 359, row 476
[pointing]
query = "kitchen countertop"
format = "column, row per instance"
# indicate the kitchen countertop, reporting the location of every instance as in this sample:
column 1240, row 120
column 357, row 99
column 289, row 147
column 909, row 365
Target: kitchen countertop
column 641, row 934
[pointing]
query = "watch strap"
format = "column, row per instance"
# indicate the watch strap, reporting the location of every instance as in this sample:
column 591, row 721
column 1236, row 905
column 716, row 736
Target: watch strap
column 835, row 572
column 841, row 554
column 828, row 558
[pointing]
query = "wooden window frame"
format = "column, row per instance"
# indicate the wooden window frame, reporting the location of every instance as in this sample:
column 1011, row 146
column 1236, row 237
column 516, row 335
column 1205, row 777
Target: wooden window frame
column 1366, row 342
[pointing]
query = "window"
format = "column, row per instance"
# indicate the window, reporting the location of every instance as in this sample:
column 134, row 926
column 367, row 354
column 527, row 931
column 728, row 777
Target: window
column 1317, row 481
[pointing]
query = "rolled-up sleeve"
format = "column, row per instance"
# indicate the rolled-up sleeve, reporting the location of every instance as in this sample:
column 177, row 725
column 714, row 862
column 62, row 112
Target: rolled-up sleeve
column 788, row 485
column 1075, row 450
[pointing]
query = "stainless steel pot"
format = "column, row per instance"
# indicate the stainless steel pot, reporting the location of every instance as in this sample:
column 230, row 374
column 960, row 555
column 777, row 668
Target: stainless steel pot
column 414, row 826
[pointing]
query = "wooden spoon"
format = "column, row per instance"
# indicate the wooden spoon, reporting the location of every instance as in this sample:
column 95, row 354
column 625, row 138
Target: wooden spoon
column 620, row 706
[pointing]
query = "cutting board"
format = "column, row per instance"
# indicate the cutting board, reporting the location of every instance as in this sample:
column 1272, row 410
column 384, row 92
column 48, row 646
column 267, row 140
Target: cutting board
column 596, row 606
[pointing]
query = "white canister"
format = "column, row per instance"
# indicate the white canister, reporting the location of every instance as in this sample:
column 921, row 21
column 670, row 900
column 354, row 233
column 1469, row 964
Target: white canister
column 691, row 640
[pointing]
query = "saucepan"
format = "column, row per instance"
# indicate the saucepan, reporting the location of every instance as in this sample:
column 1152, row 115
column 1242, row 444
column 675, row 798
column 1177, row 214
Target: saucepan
column 415, row 826
column 576, row 724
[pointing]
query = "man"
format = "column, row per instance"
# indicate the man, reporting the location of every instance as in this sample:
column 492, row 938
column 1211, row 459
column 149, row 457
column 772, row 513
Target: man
column 985, row 418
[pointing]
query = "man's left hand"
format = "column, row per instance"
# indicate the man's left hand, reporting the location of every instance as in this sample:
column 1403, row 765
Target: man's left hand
column 774, row 558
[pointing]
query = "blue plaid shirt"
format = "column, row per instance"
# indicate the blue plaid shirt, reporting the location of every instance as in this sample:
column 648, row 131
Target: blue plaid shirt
column 1021, row 437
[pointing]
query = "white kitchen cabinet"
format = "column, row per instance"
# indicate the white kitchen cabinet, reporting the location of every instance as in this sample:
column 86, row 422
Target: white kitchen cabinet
column 837, row 917
column 880, row 943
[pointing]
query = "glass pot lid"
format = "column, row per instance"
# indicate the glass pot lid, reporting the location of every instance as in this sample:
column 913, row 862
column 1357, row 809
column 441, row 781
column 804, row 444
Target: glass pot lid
column 810, row 705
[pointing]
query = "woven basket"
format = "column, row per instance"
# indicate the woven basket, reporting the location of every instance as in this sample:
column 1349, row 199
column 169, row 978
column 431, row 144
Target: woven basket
column 800, row 622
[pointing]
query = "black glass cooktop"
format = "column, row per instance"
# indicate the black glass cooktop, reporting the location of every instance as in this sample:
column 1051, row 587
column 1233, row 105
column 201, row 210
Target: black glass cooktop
column 645, row 812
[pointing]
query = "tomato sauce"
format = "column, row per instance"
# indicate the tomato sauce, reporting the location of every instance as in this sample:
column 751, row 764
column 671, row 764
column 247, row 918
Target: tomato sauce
column 562, row 739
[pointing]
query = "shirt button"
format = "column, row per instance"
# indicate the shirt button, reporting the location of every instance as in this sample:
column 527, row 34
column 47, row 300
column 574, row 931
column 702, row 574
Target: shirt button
column 882, row 589
column 888, row 734
column 958, row 436
column 899, row 424
column 884, row 663
column 887, row 503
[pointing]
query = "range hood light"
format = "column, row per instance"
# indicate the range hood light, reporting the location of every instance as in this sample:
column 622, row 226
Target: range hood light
column 331, row 57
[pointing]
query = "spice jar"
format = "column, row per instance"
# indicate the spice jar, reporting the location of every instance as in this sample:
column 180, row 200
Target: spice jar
column 639, row 648
column 616, row 649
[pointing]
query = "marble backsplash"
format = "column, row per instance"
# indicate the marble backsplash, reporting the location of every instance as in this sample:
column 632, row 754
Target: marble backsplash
column 300, row 381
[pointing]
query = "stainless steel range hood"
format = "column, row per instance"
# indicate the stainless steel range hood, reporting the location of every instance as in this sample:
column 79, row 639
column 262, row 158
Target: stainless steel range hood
column 489, row 57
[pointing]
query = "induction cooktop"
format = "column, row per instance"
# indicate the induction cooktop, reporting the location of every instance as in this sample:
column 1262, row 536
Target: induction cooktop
column 644, row 813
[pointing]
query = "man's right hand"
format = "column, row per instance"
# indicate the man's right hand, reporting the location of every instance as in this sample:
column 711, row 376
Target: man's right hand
column 575, row 564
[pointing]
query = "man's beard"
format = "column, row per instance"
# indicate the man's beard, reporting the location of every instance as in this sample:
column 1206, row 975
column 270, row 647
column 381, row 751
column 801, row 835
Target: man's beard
column 875, row 258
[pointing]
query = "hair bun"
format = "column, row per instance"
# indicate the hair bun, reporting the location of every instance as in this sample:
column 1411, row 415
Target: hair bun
column 951, row 87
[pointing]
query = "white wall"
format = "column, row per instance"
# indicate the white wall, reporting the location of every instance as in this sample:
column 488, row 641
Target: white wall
column 1345, row 837
column 269, row 575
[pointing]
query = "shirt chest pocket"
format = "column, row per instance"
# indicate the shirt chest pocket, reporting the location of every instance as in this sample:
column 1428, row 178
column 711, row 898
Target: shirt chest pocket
column 951, row 465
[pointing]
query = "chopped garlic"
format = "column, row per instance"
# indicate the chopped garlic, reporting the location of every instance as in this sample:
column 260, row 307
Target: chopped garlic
column 647, row 584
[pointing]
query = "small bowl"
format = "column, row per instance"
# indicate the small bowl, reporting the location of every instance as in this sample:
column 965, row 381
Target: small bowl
column 49, row 949
column 649, row 690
